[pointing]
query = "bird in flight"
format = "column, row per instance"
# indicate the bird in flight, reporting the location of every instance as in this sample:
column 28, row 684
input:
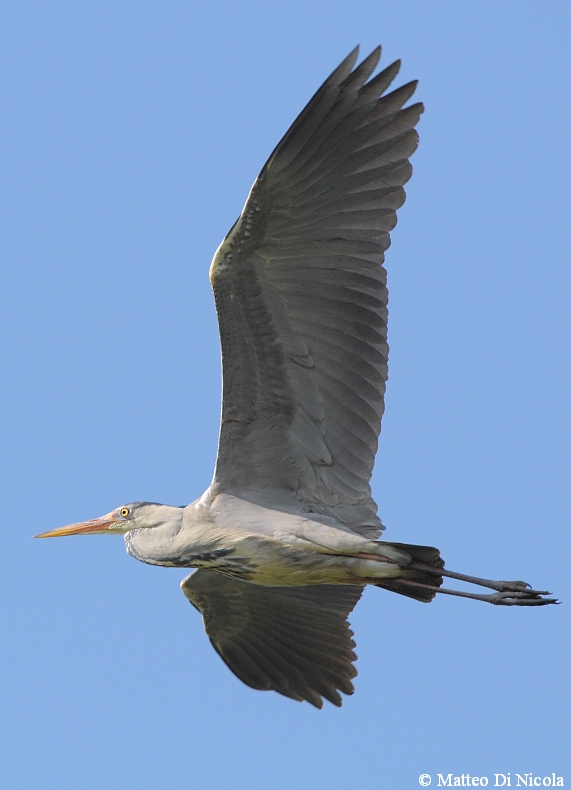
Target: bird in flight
column 286, row 537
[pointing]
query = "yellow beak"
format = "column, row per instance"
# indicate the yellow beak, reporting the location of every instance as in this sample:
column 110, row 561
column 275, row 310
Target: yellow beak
column 97, row 526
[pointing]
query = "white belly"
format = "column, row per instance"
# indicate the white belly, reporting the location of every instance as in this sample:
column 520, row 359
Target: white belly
column 280, row 549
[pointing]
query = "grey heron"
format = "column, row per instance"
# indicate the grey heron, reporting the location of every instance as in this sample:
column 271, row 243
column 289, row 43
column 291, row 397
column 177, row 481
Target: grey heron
column 286, row 537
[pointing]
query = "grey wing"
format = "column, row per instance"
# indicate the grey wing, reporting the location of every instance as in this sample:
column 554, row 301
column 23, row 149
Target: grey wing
column 294, row 640
column 301, row 298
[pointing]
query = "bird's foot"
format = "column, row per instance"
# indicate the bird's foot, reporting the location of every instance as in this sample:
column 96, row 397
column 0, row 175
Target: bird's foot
column 514, row 586
column 519, row 597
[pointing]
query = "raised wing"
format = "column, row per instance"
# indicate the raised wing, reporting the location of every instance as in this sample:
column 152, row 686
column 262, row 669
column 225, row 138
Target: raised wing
column 302, row 302
column 294, row 640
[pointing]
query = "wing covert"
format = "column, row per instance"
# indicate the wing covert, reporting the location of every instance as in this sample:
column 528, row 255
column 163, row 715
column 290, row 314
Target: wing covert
column 293, row 640
column 301, row 297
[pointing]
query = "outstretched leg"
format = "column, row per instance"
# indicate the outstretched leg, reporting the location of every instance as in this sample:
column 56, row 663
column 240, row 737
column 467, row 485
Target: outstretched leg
column 508, row 593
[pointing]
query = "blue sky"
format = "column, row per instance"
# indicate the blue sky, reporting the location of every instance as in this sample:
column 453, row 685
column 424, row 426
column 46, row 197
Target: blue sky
column 132, row 132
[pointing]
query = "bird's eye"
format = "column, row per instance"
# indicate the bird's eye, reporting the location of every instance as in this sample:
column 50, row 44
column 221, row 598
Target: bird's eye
column 124, row 512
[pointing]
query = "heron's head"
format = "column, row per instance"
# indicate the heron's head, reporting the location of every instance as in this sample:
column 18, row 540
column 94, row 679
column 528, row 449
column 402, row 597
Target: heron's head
column 135, row 515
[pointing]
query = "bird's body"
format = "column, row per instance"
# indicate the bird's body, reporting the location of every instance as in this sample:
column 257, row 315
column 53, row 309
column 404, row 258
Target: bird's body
column 286, row 536
column 263, row 546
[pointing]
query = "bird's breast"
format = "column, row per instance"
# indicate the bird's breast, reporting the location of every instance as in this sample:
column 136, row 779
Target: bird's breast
column 269, row 562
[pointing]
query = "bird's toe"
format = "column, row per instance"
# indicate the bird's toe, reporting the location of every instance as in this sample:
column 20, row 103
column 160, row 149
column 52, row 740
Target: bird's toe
column 513, row 586
column 521, row 598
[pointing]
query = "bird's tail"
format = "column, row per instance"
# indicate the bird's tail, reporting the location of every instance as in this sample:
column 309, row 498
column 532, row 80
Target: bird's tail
column 428, row 556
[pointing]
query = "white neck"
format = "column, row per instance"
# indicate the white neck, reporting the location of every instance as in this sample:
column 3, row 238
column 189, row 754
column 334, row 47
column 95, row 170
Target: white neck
column 156, row 544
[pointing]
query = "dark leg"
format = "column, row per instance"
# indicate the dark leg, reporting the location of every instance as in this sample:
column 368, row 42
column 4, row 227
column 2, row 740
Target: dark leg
column 508, row 593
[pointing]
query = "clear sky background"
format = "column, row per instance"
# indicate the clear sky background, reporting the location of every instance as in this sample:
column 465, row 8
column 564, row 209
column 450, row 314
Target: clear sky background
column 132, row 132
